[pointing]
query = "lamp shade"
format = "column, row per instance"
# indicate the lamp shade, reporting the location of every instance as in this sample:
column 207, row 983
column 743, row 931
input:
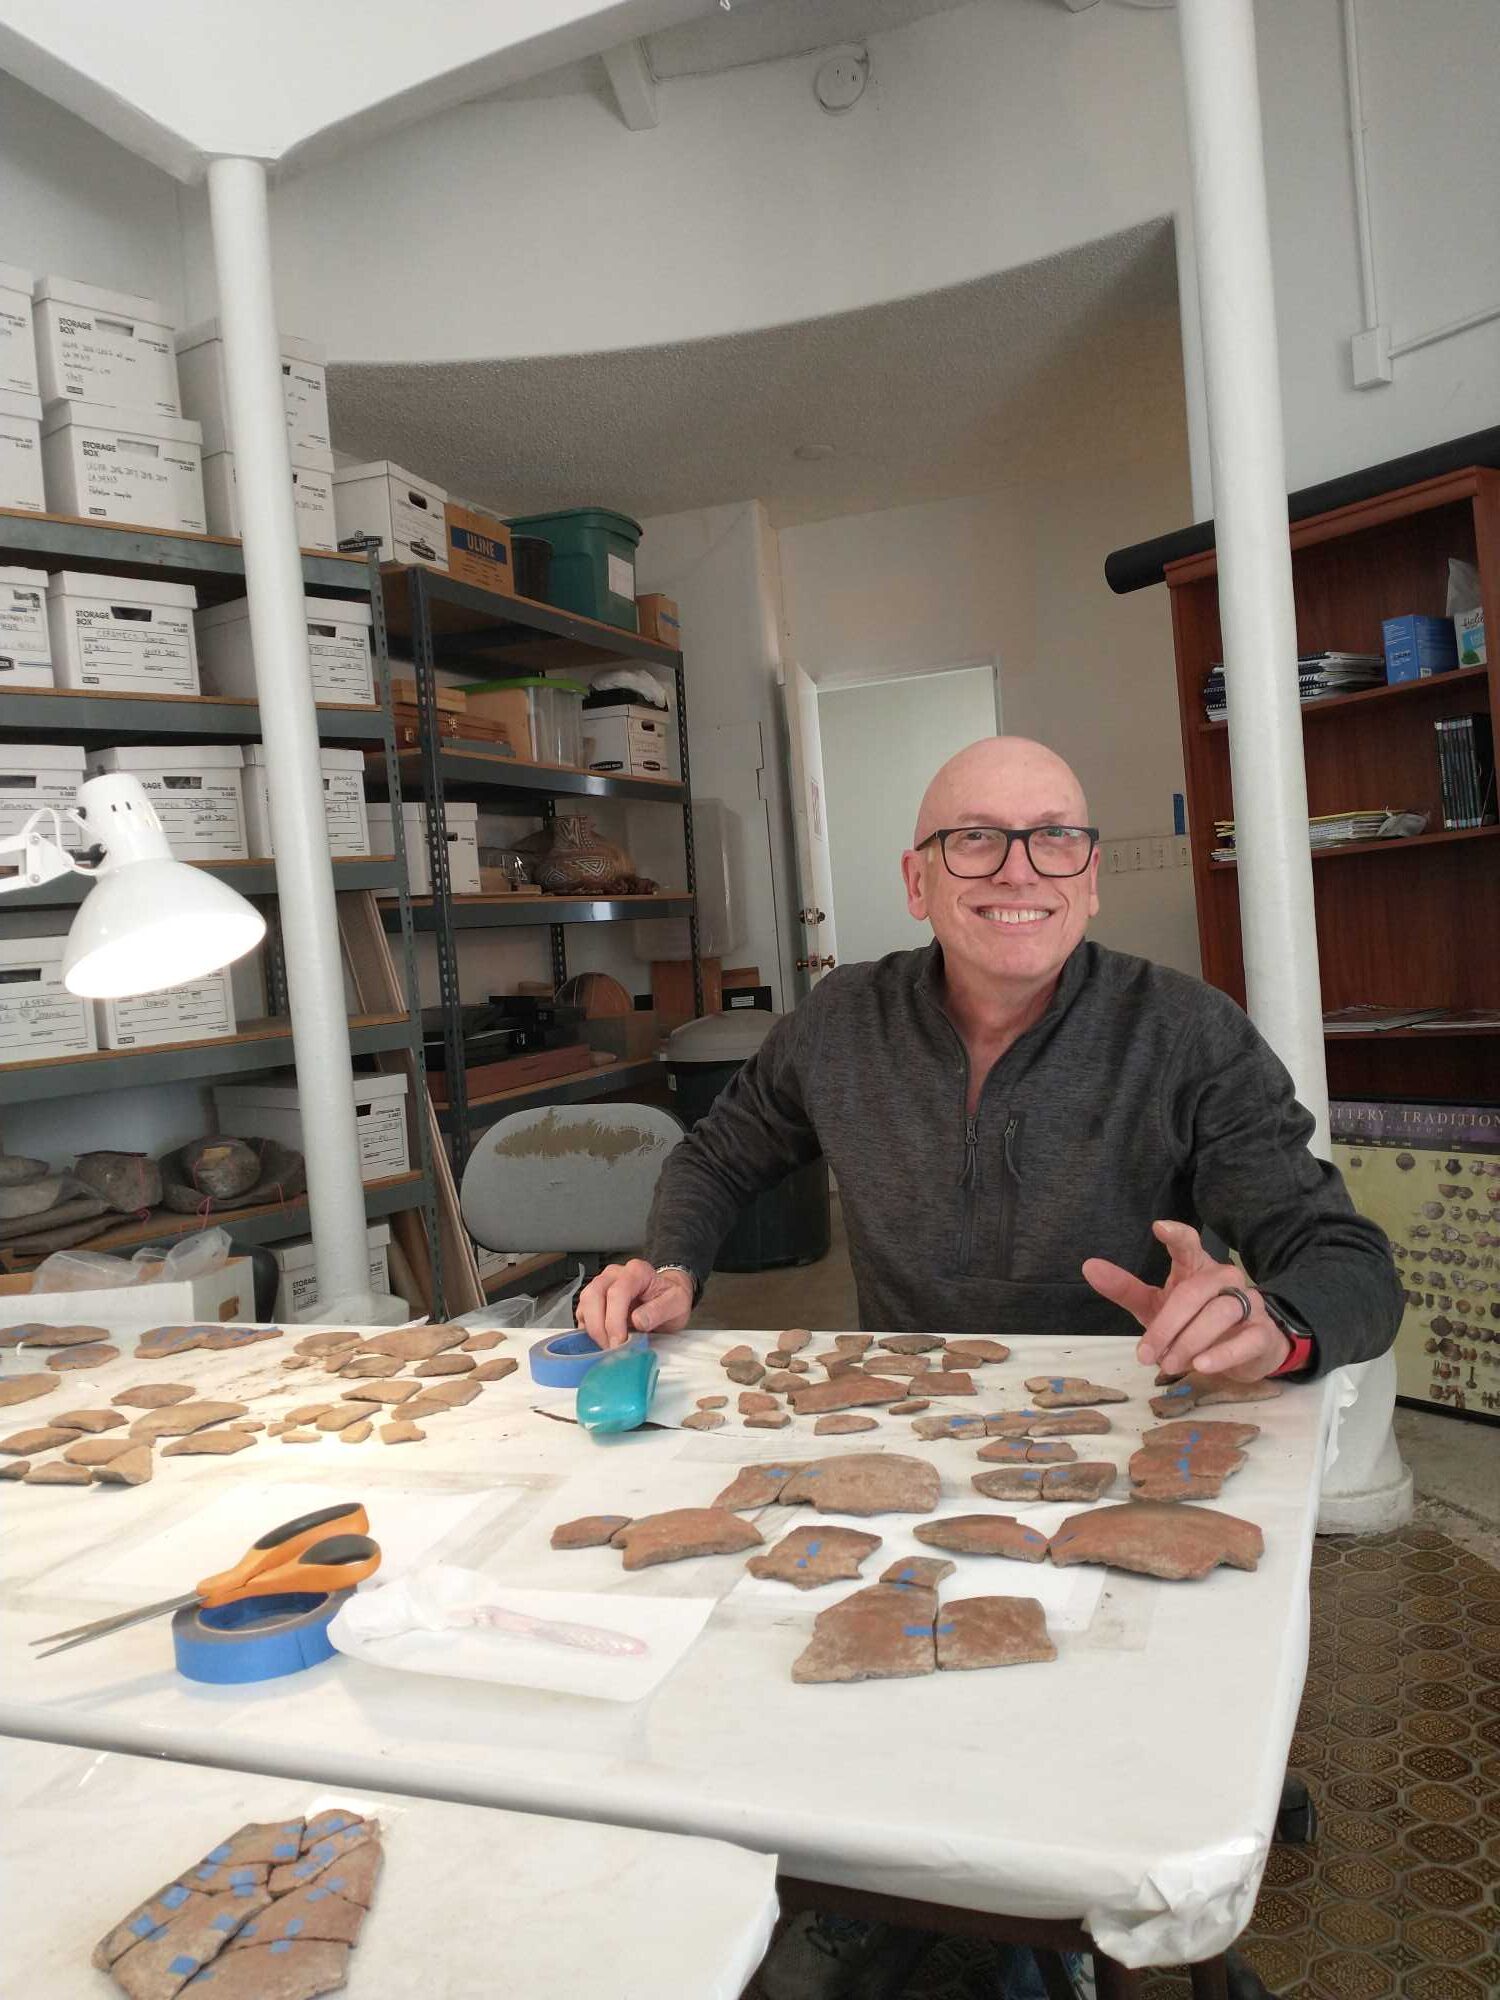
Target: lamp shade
column 149, row 922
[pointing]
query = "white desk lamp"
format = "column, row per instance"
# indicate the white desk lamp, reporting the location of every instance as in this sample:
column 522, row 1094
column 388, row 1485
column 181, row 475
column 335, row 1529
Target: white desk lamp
column 149, row 922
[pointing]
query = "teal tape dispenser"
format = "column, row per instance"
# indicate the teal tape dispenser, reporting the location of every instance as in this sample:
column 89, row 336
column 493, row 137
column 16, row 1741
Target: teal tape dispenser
column 615, row 1394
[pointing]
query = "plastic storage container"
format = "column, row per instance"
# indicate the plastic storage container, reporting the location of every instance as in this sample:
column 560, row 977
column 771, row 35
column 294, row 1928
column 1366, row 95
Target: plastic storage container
column 554, row 714
column 788, row 1224
column 531, row 560
column 593, row 561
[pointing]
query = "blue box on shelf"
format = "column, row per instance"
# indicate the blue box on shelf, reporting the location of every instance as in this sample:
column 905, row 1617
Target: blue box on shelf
column 1417, row 647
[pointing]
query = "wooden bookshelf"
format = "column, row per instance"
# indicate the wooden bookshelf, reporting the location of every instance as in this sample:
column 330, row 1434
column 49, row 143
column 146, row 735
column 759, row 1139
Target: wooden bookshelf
column 1405, row 922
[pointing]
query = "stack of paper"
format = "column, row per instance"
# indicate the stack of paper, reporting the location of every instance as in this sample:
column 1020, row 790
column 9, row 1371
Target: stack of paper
column 1318, row 675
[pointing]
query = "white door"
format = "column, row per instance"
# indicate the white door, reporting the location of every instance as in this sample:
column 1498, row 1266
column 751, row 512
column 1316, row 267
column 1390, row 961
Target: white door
column 809, row 825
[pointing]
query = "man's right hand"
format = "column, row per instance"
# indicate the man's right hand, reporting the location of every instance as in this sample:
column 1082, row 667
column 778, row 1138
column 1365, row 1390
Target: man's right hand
column 634, row 1298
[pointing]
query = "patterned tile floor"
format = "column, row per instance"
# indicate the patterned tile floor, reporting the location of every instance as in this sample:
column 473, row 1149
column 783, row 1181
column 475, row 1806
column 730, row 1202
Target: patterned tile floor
column 1399, row 1742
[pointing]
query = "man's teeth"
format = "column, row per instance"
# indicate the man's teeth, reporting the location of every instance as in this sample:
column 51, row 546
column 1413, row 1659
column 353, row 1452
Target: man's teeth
column 1014, row 916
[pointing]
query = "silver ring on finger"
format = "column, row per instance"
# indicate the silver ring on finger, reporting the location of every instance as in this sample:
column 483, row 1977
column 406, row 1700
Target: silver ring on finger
column 1234, row 1292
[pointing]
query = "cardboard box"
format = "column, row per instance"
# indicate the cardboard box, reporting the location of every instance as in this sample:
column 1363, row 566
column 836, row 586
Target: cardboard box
column 17, row 342
column 111, row 348
column 225, row 1297
column 462, row 822
column 338, row 645
column 39, row 1018
column 343, row 801
column 631, row 742
column 447, row 700
column 402, row 512
column 312, row 496
column 33, row 775
column 205, row 394
column 298, row 1291
column 123, row 465
column 631, row 1036
column 1468, row 631
column 657, row 619
column 1416, row 647
column 273, row 1110
column 478, row 548
column 21, row 484
column 198, row 792
column 201, row 1011
column 122, row 634
column 25, row 644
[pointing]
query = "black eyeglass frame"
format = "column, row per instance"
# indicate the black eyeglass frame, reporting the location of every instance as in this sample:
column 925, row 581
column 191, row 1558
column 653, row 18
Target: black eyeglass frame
column 1012, row 834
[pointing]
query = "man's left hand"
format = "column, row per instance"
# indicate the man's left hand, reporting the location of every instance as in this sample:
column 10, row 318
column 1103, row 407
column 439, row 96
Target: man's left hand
column 1186, row 1325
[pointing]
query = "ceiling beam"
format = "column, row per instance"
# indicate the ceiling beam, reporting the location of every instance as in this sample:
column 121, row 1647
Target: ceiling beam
column 633, row 84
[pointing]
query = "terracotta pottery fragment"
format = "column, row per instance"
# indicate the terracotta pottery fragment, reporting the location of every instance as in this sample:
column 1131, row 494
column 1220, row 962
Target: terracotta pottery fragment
column 865, row 1482
column 1192, row 1432
column 481, row 1343
column 919, row 1572
column 854, row 1343
column 246, row 1424
column 768, row 1420
column 295, row 1436
column 683, row 1532
column 808, row 1557
column 448, row 1364
column 1212, row 1459
column 781, row 1382
column 146, row 1920
column 946, row 1382
column 55, row 1473
column 370, row 1368
column 755, row 1486
column 589, row 1531
column 713, row 1402
column 354, row 1874
column 977, row 1352
column 401, row 1432
column 911, row 1343
column 1193, row 1392
column 280, row 1971
column 343, row 1415
column 838, row 1364
column 184, row 1417
column 15, row 1468
column 131, row 1468
column 1162, row 1477
column 307, row 1413
column 63, row 1336
column 1071, row 1392
column 24, row 1388
column 747, row 1373
column 1012, row 1423
column 909, row 1365
column 160, row 1965
column 776, row 1359
column 932, row 1429
column 225, row 1338
column 309, row 1915
column 1090, row 1479
column 493, row 1371
column 881, row 1633
column 97, row 1450
column 703, row 1420
column 1071, row 1423
column 334, row 1340
column 909, row 1406
column 453, row 1395
column 1011, row 1482
column 755, row 1403
column 415, row 1343
column 88, row 1420
column 397, row 1391
column 985, row 1535
column 843, row 1425
column 1025, row 1451
column 152, row 1396
column 209, row 1444
column 798, row 1366
column 296, row 1361
column 41, row 1437
column 793, row 1340
column 164, row 1340
column 733, row 1354
column 992, row 1632
column 356, row 1433
column 83, row 1357
column 844, row 1392
column 1155, row 1538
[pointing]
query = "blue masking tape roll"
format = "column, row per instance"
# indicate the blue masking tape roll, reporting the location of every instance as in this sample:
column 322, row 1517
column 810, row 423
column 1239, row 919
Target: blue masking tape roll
column 563, row 1361
column 257, row 1639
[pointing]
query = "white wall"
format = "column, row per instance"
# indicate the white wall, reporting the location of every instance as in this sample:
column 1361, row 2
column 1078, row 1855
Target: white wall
column 881, row 744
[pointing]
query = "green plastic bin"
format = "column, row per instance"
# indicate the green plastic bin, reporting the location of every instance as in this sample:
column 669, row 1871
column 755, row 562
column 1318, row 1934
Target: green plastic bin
column 593, row 561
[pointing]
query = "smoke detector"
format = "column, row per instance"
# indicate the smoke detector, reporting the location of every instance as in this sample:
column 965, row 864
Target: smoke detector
column 841, row 78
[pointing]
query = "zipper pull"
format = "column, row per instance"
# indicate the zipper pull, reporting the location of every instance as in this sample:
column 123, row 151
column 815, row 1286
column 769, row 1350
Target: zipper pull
column 1010, row 1158
column 971, row 1144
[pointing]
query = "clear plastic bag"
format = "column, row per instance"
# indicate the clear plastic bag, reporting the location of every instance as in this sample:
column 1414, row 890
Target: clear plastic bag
column 91, row 1270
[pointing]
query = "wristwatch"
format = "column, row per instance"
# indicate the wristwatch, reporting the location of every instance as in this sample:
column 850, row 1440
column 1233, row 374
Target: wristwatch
column 689, row 1273
column 1303, row 1350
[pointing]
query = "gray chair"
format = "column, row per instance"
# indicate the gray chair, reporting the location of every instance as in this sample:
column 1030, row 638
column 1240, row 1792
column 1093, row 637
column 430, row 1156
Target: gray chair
column 575, row 1177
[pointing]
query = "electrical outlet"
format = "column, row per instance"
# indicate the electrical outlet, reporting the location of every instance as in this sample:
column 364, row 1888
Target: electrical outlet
column 1184, row 857
column 1112, row 858
column 1158, row 854
column 1140, row 854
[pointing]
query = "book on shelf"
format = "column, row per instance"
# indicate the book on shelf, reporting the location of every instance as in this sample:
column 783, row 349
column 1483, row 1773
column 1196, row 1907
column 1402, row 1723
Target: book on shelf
column 1463, row 1017
column 1466, row 770
column 1365, row 1018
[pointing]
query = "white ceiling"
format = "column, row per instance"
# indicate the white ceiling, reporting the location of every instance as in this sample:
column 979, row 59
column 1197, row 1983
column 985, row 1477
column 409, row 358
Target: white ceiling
column 952, row 392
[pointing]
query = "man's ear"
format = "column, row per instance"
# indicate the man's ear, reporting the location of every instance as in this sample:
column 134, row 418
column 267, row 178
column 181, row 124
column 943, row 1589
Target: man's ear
column 1094, row 883
column 913, row 874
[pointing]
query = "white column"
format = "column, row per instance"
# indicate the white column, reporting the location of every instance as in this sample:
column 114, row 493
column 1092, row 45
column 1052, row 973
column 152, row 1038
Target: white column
column 1367, row 1487
column 289, row 729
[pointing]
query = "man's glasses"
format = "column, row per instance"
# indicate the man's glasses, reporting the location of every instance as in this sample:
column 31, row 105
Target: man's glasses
column 974, row 852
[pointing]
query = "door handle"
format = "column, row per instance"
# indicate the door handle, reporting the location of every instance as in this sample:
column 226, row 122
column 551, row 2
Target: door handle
column 812, row 916
column 816, row 964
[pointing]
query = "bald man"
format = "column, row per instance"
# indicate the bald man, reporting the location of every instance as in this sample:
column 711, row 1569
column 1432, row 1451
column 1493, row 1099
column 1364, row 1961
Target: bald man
column 1028, row 1130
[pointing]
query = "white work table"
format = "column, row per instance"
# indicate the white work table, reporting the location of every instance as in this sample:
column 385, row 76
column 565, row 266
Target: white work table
column 1132, row 1783
column 483, row 1902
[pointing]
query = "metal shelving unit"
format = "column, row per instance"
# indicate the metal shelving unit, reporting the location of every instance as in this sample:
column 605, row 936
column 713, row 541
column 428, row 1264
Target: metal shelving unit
column 575, row 1089
column 457, row 626
column 216, row 569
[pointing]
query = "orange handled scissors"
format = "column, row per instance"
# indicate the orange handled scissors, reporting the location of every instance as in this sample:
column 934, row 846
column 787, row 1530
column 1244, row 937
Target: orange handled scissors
column 300, row 1556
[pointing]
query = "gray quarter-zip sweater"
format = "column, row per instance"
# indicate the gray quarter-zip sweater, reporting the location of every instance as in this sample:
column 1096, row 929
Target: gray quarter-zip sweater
column 1140, row 1094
